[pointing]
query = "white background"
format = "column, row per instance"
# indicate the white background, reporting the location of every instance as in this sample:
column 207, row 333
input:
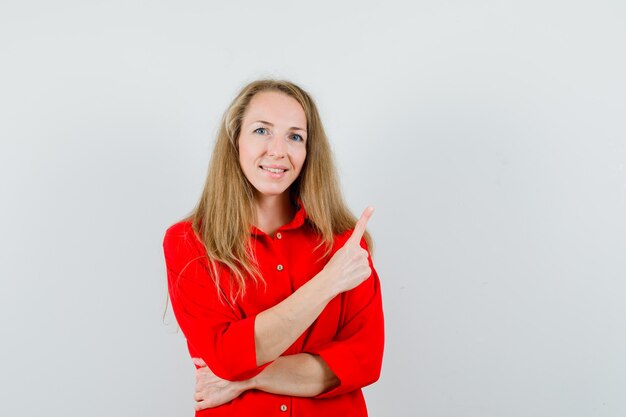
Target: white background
column 489, row 135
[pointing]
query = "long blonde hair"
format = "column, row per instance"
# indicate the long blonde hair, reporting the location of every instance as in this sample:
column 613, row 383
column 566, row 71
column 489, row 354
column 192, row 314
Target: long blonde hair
column 225, row 212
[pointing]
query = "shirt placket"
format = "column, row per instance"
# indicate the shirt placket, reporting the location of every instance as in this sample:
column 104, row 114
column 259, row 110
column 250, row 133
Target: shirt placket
column 286, row 402
column 278, row 250
column 286, row 407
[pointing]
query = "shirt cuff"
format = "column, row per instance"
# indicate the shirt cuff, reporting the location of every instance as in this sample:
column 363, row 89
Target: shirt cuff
column 233, row 355
column 344, row 364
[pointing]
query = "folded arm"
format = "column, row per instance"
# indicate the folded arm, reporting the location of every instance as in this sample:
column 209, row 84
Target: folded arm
column 350, row 361
column 300, row 375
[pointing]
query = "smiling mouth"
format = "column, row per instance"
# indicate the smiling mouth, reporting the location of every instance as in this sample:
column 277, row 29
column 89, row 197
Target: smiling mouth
column 273, row 170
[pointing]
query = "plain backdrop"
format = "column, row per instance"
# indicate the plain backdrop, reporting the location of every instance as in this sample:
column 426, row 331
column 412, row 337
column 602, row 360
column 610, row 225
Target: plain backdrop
column 489, row 135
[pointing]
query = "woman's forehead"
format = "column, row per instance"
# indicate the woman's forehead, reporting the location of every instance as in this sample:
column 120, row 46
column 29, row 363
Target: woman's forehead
column 276, row 108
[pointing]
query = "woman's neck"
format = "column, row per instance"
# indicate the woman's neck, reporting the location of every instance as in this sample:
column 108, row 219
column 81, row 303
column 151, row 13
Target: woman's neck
column 273, row 212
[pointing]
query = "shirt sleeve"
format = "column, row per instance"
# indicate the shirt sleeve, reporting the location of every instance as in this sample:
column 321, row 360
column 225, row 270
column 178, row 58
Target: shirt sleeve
column 215, row 331
column 355, row 354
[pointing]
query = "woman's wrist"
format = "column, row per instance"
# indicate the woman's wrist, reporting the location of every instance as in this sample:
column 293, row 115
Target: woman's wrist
column 252, row 383
column 326, row 285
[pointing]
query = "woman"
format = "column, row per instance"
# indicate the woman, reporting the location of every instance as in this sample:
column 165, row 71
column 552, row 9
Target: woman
column 269, row 277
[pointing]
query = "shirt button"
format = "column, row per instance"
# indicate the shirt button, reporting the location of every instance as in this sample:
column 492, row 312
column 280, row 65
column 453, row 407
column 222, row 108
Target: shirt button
column 280, row 267
column 283, row 407
column 279, row 236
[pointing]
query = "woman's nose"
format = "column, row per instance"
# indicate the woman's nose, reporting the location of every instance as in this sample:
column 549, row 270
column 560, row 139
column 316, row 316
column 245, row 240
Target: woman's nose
column 276, row 147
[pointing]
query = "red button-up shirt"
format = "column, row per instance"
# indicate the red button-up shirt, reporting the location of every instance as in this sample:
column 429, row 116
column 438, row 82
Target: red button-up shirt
column 348, row 334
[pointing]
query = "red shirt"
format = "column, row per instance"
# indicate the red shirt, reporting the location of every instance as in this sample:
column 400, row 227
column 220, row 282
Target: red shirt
column 348, row 334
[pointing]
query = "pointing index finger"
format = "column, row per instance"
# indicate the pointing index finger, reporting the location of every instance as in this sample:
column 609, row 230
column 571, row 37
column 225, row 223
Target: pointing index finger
column 359, row 229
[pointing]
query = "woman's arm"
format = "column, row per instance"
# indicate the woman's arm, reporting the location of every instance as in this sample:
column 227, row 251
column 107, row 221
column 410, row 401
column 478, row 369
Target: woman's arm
column 300, row 375
column 276, row 328
column 356, row 352
column 351, row 360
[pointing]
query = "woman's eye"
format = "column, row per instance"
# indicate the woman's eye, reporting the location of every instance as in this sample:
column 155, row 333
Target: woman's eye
column 260, row 131
column 297, row 138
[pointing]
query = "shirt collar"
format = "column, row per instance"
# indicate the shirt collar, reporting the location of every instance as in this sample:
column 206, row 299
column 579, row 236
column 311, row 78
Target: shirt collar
column 297, row 221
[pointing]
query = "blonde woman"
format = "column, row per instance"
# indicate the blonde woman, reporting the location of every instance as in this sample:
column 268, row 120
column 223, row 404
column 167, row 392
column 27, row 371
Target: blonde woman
column 270, row 277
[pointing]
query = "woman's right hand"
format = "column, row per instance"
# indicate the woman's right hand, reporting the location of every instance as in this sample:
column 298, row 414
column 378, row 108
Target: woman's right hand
column 213, row 391
column 349, row 266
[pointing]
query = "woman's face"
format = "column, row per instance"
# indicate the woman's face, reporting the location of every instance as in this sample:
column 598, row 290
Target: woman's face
column 272, row 142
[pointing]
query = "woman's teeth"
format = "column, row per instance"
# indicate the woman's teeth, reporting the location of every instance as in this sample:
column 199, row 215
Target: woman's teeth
column 274, row 170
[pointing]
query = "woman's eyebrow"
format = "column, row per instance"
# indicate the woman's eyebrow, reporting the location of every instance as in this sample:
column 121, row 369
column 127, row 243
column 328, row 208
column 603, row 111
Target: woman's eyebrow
column 272, row 125
column 264, row 122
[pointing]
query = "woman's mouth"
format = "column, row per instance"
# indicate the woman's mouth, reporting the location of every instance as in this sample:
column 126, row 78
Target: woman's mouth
column 273, row 170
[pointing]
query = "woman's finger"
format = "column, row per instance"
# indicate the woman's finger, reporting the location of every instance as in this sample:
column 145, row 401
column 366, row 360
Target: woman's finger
column 201, row 405
column 198, row 362
column 359, row 229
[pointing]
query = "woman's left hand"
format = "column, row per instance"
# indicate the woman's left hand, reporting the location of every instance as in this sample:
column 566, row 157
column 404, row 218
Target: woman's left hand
column 213, row 391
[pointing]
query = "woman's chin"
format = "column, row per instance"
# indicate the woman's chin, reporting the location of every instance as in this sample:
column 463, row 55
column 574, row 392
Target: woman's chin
column 265, row 193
